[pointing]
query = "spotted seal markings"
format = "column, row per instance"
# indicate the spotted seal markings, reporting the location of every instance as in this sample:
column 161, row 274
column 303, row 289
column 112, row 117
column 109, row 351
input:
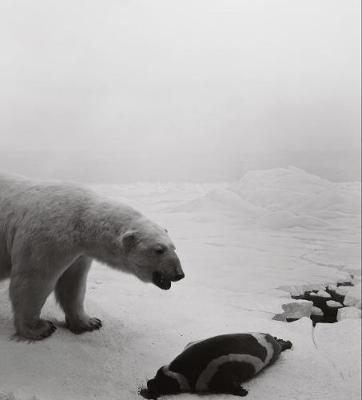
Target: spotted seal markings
column 180, row 378
column 202, row 383
column 267, row 346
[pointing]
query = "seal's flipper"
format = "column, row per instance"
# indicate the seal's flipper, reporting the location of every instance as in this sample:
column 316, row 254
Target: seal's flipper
column 239, row 391
column 284, row 344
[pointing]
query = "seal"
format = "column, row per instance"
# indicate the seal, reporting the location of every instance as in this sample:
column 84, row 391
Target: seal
column 217, row 365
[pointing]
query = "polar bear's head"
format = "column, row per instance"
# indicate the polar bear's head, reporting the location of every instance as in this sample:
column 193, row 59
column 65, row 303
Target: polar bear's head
column 150, row 254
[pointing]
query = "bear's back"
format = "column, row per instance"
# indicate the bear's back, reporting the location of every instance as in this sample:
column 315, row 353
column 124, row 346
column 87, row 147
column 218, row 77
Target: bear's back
column 39, row 209
column 19, row 195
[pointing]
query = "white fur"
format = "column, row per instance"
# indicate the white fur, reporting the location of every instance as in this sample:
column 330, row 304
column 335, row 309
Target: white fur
column 49, row 234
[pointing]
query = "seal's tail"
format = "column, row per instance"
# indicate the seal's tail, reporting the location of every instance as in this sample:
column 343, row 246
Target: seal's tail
column 284, row 344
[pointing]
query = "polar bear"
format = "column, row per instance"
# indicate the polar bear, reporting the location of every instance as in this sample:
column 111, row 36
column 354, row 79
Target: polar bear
column 49, row 235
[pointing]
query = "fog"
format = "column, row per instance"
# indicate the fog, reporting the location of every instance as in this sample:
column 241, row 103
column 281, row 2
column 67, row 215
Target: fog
column 119, row 91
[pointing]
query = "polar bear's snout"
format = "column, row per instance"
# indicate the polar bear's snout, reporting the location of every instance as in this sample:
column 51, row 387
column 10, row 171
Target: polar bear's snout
column 176, row 273
column 160, row 279
column 172, row 273
column 178, row 277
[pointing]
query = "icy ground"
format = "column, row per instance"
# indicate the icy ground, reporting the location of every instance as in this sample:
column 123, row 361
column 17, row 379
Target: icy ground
column 242, row 245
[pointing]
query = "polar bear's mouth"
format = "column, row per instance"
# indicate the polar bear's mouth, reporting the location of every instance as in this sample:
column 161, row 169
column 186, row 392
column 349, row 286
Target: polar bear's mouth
column 160, row 280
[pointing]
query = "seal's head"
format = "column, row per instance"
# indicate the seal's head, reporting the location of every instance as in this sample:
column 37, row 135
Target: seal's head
column 161, row 384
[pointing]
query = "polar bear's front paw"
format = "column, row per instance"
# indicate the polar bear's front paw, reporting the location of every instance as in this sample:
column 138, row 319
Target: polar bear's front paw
column 39, row 330
column 83, row 325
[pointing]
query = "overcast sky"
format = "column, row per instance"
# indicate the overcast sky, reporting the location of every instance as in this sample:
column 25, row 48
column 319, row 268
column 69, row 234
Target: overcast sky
column 135, row 90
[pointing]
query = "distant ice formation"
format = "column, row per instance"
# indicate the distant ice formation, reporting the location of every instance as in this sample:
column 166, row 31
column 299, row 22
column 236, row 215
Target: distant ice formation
column 282, row 198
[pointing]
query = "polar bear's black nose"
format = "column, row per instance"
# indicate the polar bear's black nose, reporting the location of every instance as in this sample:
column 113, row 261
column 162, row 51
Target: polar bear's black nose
column 179, row 276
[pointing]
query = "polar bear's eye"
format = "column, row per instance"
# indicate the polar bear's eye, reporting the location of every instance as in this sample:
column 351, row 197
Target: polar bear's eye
column 159, row 250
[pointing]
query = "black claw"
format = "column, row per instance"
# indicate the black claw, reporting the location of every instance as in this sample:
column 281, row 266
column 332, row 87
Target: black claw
column 97, row 323
column 93, row 324
column 285, row 344
column 52, row 328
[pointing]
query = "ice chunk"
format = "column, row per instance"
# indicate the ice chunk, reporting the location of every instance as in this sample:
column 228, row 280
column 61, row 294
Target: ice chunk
column 345, row 282
column 321, row 293
column 295, row 310
column 332, row 288
column 317, row 311
column 7, row 396
column 353, row 295
column 280, row 317
column 342, row 290
column 334, row 304
column 314, row 286
column 356, row 280
column 296, row 291
column 348, row 313
column 298, row 309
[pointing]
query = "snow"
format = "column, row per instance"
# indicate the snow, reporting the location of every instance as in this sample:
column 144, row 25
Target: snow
column 287, row 219
column 244, row 247
column 339, row 345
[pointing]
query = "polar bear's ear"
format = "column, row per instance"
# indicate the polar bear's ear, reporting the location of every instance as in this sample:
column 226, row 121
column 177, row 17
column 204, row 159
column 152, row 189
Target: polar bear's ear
column 128, row 240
